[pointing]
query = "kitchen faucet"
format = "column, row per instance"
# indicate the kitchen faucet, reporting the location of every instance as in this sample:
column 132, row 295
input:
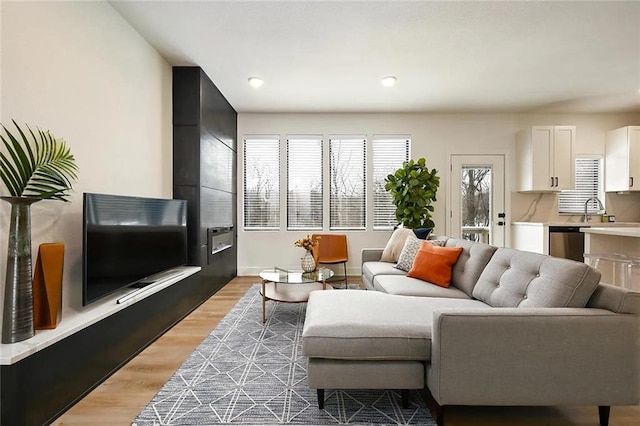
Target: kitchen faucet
column 586, row 205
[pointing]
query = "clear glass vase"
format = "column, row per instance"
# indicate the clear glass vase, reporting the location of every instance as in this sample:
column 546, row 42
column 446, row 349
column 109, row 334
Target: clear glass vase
column 308, row 263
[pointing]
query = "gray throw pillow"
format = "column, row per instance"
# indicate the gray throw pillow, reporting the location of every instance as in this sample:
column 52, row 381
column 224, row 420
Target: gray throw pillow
column 394, row 246
column 410, row 250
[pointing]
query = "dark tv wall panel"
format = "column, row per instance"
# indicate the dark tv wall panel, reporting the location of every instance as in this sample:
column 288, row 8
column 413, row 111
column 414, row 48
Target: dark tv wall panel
column 194, row 240
column 220, row 203
column 186, row 96
column 217, row 156
column 218, row 116
column 186, row 155
column 205, row 129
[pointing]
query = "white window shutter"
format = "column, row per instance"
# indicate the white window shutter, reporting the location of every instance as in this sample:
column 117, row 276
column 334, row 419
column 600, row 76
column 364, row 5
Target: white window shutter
column 304, row 183
column 588, row 184
column 347, row 182
column 388, row 155
column 261, row 183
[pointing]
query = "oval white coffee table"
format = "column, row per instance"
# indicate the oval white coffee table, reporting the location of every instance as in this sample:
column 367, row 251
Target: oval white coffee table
column 291, row 284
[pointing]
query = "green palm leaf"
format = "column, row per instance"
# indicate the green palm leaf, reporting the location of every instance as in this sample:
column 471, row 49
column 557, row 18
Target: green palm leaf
column 36, row 164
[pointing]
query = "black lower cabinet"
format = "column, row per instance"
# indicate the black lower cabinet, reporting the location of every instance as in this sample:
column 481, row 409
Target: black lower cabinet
column 39, row 388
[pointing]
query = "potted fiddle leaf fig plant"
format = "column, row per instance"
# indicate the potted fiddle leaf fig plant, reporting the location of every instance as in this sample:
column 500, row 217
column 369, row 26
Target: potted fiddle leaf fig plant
column 34, row 166
column 413, row 188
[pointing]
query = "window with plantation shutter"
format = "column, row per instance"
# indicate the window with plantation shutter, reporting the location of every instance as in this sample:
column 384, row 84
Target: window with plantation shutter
column 588, row 181
column 304, row 183
column 261, row 183
column 347, row 182
column 388, row 155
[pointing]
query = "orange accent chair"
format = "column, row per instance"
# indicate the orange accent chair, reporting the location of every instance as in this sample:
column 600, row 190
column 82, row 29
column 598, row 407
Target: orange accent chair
column 331, row 250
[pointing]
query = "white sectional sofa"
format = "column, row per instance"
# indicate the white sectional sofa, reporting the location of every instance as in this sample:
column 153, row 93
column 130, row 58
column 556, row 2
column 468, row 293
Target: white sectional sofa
column 513, row 328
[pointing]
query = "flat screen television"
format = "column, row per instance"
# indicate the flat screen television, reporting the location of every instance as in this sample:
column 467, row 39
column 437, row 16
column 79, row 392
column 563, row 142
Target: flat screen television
column 128, row 239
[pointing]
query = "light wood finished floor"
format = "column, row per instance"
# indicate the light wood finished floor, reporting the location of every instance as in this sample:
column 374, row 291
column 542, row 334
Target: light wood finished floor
column 121, row 397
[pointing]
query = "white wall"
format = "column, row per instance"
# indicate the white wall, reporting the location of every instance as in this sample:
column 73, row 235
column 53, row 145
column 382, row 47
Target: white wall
column 1, row 95
column 434, row 136
column 79, row 70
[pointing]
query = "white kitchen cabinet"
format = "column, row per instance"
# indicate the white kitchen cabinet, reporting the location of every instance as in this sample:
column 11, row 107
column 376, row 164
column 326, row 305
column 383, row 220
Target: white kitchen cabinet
column 622, row 160
column 545, row 158
column 530, row 236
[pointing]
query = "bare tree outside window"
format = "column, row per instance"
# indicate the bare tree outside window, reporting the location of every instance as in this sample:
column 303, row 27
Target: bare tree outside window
column 347, row 183
column 305, row 180
column 261, row 183
column 304, row 183
column 476, row 202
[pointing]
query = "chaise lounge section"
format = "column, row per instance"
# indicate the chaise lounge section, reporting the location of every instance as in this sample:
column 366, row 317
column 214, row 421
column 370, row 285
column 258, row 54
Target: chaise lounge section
column 512, row 328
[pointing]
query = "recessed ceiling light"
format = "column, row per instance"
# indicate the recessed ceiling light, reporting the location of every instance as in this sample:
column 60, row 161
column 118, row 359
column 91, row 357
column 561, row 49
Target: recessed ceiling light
column 388, row 81
column 255, row 81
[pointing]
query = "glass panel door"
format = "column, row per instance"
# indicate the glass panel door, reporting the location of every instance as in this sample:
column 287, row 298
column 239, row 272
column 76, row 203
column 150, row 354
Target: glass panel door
column 477, row 198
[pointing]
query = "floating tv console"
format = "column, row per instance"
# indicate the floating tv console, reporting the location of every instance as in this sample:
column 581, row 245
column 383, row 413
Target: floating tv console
column 42, row 377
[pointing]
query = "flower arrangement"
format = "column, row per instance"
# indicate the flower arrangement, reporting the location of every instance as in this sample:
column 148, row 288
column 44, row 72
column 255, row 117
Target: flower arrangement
column 307, row 242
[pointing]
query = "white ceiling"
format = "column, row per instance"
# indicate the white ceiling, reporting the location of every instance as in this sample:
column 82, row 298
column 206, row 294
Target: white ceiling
column 329, row 56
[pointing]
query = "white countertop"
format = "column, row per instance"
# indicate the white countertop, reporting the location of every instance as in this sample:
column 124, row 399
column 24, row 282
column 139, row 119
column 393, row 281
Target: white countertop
column 592, row 224
column 73, row 322
column 621, row 232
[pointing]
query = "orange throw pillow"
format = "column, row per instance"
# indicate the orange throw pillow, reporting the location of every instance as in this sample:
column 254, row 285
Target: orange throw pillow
column 433, row 264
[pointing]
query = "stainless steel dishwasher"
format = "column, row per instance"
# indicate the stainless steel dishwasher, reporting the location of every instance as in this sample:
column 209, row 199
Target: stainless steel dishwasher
column 567, row 242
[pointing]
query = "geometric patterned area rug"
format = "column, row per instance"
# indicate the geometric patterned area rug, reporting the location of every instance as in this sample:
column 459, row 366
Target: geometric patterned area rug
column 250, row 373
